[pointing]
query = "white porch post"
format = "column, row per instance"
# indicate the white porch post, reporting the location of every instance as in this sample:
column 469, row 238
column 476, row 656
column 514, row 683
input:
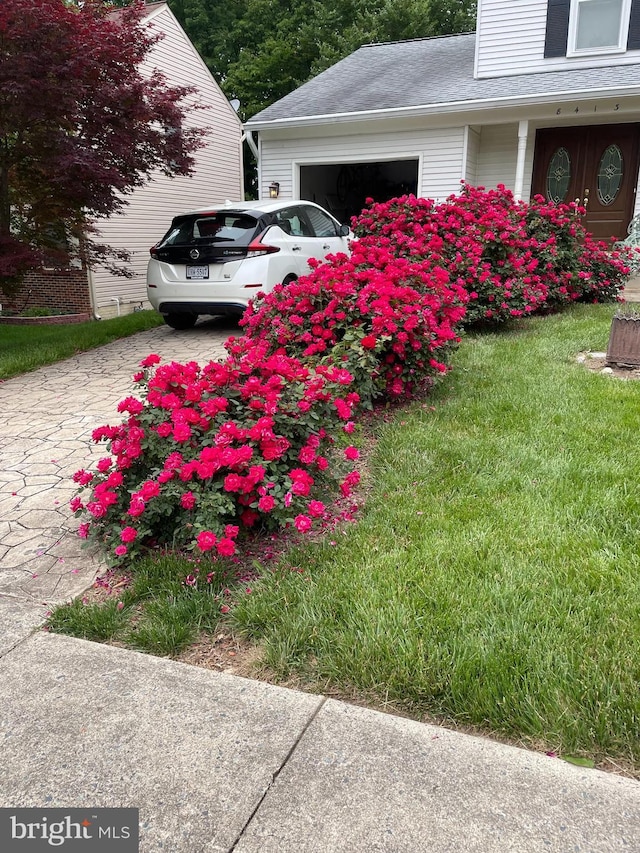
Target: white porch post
column 523, row 131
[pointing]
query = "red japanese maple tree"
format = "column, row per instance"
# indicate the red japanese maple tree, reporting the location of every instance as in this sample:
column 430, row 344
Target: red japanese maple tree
column 81, row 126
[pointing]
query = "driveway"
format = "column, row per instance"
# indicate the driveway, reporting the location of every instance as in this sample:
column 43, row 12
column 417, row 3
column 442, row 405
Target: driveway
column 46, row 421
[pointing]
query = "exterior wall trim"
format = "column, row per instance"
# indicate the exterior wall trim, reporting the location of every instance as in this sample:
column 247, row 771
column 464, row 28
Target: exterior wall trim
column 540, row 98
column 476, row 59
column 334, row 159
column 465, row 154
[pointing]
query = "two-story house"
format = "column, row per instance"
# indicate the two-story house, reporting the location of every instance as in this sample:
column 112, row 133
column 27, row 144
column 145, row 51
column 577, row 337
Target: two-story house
column 544, row 97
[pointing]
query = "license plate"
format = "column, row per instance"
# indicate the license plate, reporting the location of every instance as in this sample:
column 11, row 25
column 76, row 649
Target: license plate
column 198, row 272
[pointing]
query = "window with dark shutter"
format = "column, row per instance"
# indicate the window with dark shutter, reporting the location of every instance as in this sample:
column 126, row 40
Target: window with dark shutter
column 557, row 32
column 633, row 40
column 591, row 26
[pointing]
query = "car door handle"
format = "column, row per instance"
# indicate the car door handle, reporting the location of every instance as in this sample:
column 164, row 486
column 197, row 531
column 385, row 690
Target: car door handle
column 326, row 246
column 296, row 248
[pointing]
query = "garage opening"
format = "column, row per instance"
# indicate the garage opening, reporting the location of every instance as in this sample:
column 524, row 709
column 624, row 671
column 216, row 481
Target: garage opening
column 343, row 188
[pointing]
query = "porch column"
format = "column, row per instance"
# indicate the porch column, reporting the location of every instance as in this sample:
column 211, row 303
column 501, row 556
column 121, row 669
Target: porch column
column 523, row 130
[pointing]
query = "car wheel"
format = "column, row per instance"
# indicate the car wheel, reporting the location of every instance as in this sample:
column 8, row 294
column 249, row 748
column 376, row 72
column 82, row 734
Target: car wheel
column 180, row 321
column 289, row 279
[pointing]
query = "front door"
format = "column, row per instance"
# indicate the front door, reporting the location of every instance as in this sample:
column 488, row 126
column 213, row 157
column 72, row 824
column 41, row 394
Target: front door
column 599, row 163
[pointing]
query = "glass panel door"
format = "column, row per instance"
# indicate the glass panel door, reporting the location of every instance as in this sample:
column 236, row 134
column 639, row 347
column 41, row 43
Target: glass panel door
column 610, row 174
column 559, row 176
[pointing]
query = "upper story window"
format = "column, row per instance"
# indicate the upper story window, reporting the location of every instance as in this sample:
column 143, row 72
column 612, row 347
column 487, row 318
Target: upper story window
column 583, row 28
column 598, row 26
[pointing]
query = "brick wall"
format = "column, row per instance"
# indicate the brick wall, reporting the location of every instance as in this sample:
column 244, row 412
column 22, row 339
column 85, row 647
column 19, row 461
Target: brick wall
column 59, row 290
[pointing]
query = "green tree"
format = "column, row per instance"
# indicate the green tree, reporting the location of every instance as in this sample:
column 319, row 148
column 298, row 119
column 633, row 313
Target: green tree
column 260, row 50
column 212, row 27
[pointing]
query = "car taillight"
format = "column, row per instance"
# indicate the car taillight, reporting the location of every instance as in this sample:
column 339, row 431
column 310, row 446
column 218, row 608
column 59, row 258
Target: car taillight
column 257, row 248
column 153, row 253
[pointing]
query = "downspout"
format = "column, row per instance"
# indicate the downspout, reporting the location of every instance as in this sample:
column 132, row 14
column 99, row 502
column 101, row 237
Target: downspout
column 92, row 293
column 248, row 136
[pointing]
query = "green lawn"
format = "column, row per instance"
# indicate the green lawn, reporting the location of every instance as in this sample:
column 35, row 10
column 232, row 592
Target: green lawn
column 24, row 348
column 493, row 578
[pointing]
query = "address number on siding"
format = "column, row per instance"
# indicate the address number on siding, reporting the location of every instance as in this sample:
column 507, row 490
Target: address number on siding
column 562, row 110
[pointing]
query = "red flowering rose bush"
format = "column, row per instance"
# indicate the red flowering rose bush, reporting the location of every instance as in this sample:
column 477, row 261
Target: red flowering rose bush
column 513, row 258
column 479, row 237
column 205, row 452
column 575, row 266
column 390, row 322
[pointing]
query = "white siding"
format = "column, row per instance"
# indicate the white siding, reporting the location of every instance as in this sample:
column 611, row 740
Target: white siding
column 218, row 173
column 443, row 165
column 439, row 152
column 510, row 40
column 497, row 157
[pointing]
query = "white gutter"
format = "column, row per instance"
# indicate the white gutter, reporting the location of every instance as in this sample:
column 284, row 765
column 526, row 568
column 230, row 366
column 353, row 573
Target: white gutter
column 445, row 108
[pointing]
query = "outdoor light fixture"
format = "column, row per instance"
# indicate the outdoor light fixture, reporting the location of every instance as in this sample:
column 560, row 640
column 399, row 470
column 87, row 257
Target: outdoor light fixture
column 274, row 190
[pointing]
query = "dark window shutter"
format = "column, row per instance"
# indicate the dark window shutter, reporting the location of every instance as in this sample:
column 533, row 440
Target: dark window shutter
column 557, row 32
column 633, row 42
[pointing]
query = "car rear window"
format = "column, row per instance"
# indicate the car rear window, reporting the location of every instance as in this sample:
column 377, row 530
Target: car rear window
column 220, row 227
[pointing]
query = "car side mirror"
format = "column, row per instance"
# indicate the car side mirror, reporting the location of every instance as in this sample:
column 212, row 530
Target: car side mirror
column 344, row 231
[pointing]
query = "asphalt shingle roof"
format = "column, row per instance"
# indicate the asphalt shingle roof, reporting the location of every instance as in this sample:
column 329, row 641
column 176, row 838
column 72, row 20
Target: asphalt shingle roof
column 427, row 72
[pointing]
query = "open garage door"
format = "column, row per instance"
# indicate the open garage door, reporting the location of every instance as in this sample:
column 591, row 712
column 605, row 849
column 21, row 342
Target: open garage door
column 343, row 188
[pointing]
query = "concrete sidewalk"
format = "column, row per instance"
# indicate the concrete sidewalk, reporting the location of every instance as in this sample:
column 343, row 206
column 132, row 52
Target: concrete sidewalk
column 215, row 762
column 219, row 763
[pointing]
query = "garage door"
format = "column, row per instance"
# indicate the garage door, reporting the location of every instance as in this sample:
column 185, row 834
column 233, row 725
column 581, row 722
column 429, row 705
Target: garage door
column 342, row 188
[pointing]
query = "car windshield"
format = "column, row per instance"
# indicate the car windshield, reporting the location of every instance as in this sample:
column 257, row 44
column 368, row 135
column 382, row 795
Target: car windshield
column 220, row 227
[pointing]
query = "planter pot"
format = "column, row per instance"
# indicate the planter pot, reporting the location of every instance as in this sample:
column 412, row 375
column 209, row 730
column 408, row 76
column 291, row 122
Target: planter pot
column 623, row 349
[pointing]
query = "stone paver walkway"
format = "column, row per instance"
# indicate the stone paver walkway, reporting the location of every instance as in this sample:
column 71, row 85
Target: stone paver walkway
column 46, row 421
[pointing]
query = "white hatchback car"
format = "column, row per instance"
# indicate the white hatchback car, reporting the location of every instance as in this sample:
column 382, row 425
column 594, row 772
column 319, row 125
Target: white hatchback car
column 214, row 261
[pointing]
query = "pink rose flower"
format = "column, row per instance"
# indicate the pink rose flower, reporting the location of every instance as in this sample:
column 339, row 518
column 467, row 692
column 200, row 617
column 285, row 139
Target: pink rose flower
column 188, row 500
column 206, row 540
column 136, row 507
column 150, row 360
column 128, row 534
column 226, row 547
column 316, row 508
column 303, row 523
column 76, row 504
column 266, row 503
